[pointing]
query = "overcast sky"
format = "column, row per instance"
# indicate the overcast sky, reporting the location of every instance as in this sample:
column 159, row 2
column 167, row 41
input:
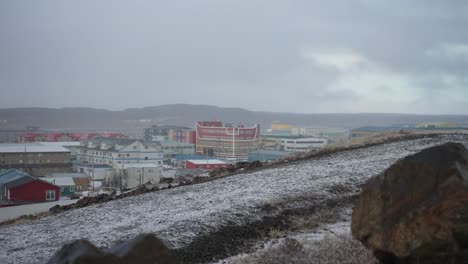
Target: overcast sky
column 305, row 56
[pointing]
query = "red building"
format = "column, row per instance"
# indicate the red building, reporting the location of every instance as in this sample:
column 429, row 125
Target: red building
column 213, row 138
column 209, row 164
column 17, row 188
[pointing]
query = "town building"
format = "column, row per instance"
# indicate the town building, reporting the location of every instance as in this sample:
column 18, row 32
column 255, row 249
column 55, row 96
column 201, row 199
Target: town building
column 172, row 148
column 70, row 183
column 213, row 138
column 117, row 152
column 207, row 164
column 96, row 172
column 134, row 175
column 64, row 136
column 300, row 144
column 73, row 146
column 17, row 188
column 37, row 160
column 169, row 133
column 266, row 155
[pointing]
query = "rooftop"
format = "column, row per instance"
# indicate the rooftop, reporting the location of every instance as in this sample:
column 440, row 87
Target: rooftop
column 12, row 178
column 140, row 165
column 68, row 175
column 60, row 181
column 63, row 144
column 30, row 148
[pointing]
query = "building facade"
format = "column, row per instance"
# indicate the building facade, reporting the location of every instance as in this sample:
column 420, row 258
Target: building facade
column 117, row 152
column 213, row 138
column 37, row 160
column 64, row 136
column 17, row 188
column 303, row 144
column 170, row 134
column 171, row 149
column 134, row 175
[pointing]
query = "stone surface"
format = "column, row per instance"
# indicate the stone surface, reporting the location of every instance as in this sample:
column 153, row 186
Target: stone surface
column 81, row 252
column 417, row 210
column 143, row 249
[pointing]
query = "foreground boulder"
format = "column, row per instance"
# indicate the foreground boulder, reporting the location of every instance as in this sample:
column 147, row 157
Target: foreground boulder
column 417, row 210
column 143, row 249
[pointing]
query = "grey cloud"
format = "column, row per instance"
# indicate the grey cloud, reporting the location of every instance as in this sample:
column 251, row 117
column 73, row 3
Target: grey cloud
column 117, row 54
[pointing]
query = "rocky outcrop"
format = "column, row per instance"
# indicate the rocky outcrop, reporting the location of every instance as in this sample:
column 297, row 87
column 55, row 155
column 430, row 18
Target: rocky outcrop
column 143, row 249
column 417, row 210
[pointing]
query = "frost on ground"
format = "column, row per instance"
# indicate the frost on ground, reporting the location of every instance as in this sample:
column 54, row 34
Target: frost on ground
column 180, row 215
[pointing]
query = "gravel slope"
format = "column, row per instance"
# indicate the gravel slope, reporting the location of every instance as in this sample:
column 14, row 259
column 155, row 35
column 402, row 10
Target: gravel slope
column 181, row 214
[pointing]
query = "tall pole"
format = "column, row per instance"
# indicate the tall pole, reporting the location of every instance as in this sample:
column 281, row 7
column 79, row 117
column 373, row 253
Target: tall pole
column 121, row 172
column 92, row 166
column 233, row 143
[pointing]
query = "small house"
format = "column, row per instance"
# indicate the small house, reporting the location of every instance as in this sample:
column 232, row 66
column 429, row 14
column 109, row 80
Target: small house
column 69, row 183
column 17, row 187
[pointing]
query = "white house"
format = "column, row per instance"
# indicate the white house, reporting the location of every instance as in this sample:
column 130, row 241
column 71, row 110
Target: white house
column 134, row 175
column 118, row 152
column 303, row 144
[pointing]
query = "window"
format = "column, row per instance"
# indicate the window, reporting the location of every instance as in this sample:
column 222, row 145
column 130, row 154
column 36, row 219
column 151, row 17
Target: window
column 50, row 195
column 134, row 147
column 72, row 188
column 146, row 158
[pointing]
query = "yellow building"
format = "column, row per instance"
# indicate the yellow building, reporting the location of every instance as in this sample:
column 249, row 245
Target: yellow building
column 276, row 125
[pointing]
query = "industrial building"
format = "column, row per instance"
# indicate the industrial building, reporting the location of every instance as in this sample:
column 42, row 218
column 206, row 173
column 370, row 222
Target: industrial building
column 35, row 159
column 213, row 138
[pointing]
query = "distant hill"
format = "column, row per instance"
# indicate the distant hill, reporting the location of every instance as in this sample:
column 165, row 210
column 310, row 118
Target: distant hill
column 134, row 119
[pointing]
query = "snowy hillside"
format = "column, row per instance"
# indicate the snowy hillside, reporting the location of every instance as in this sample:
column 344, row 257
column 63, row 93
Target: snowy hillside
column 179, row 215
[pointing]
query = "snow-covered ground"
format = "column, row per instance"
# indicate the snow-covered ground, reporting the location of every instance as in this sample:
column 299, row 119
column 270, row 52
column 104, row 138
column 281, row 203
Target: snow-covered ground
column 7, row 213
column 179, row 215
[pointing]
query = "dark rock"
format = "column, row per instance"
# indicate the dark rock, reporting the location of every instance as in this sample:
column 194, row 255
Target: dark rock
column 417, row 210
column 143, row 249
column 82, row 252
column 56, row 209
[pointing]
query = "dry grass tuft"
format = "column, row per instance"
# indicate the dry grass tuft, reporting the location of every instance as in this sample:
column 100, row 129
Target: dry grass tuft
column 340, row 249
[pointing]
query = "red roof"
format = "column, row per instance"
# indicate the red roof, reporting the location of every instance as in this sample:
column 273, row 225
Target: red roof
column 55, row 136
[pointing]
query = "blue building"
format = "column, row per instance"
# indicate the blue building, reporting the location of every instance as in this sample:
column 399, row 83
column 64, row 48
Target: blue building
column 266, row 155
